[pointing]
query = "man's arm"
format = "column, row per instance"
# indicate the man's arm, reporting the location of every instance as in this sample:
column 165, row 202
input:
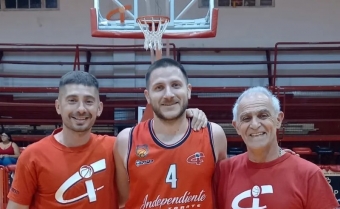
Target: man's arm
column 25, row 182
column 320, row 194
column 220, row 142
column 221, row 178
column 120, row 152
column 220, row 149
column 13, row 205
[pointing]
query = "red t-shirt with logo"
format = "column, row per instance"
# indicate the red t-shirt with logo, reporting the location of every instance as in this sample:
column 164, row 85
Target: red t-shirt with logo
column 50, row 176
column 170, row 176
column 287, row 182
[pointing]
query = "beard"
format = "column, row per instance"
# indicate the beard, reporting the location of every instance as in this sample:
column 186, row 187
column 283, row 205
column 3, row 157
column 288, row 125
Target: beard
column 161, row 116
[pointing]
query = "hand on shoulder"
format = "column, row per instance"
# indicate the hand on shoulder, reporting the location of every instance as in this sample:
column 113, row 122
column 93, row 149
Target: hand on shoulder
column 199, row 119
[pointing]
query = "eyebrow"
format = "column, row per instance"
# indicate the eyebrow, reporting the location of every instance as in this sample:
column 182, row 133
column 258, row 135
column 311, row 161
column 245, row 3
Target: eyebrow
column 260, row 111
column 158, row 83
column 74, row 95
column 164, row 82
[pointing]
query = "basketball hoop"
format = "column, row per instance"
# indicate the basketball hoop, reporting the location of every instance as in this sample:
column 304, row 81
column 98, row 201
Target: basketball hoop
column 153, row 28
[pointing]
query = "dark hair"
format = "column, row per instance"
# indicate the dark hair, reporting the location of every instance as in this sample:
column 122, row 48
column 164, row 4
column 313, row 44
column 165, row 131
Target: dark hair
column 9, row 135
column 165, row 62
column 79, row 77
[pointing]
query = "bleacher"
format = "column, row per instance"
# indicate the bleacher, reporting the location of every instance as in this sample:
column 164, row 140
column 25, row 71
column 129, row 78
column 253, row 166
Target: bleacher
column 312, row 112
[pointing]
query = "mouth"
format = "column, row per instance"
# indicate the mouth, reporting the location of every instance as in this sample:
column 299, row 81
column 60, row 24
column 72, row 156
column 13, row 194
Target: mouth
column 170, row 104
column 80, row 118
column 257, row 134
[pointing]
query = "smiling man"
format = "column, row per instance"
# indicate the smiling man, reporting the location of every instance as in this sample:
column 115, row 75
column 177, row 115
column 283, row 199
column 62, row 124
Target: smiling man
column 163, row 163
column 72, row 167
column 266, row 176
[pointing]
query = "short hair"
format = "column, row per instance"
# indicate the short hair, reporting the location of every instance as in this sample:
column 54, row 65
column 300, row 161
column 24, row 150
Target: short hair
column 254, row 90
column 80, row 78
column 165, row 62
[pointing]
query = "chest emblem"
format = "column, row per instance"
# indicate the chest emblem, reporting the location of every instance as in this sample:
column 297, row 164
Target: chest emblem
column 142, row 150
column 196, row 158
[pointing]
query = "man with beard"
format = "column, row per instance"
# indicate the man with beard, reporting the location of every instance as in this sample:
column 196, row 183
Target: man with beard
column 162, row 162
column 72, row 168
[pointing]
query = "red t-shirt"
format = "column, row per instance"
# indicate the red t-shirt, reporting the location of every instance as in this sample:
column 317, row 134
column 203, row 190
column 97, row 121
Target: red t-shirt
column 287, row 182
column 50, row 176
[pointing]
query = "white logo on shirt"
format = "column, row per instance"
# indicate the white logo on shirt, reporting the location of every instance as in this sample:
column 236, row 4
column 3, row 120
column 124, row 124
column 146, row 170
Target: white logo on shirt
column 85, row 172
column 255, row 192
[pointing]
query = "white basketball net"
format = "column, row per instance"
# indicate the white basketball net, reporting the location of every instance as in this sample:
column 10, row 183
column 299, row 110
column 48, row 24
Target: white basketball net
column 153, row 35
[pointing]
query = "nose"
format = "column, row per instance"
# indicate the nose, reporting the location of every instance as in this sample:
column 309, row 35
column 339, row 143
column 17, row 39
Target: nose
column 81, row 108
column 168, row 93
column 254, row 123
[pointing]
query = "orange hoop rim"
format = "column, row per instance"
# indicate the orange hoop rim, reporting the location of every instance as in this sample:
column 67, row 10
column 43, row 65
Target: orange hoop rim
column 149, row 19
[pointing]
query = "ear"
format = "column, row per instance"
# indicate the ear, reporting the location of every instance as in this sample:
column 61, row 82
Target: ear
column 57, row 106
column 279, row 120
column 234, row 123
column 189, row 90
column 147, row 96
column 100, row 109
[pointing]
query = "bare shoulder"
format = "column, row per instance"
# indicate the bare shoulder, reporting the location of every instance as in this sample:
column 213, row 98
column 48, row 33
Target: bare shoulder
column 124, row 135
column 122, row 142
column 220, row 141
column 218, row 133
column 14, row 145
column 217, row 129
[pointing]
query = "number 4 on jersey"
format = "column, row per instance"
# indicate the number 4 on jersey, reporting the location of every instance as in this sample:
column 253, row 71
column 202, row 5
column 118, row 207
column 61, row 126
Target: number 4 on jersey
column 171, row 177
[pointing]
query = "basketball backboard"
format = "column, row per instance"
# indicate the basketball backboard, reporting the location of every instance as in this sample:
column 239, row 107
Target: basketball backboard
column 117, row 18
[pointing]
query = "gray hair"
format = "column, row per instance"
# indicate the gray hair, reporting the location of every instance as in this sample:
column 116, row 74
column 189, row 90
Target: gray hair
column 253, row 90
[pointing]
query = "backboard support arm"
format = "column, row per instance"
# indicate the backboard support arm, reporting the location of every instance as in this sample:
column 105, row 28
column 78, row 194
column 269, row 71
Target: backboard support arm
column 186, row 9
column 127, row 11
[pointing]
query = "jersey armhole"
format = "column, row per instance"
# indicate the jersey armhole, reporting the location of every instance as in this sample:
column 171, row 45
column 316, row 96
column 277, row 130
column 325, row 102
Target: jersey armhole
column 129, row 150
column 211, row 137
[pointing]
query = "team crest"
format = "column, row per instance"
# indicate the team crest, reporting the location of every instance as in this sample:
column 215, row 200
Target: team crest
column 196, row 158
column 142, row 150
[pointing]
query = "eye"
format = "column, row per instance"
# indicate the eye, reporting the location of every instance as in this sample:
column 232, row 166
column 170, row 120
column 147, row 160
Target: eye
column 158, row 88
column 264, row 115
column 245, row 119
column 176, row 85
column 72, row 100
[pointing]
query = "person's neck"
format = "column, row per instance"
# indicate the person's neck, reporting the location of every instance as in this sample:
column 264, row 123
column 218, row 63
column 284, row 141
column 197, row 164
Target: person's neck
column 265, row 154
column 71, row 138
column 168, row 129
column 6, row 142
